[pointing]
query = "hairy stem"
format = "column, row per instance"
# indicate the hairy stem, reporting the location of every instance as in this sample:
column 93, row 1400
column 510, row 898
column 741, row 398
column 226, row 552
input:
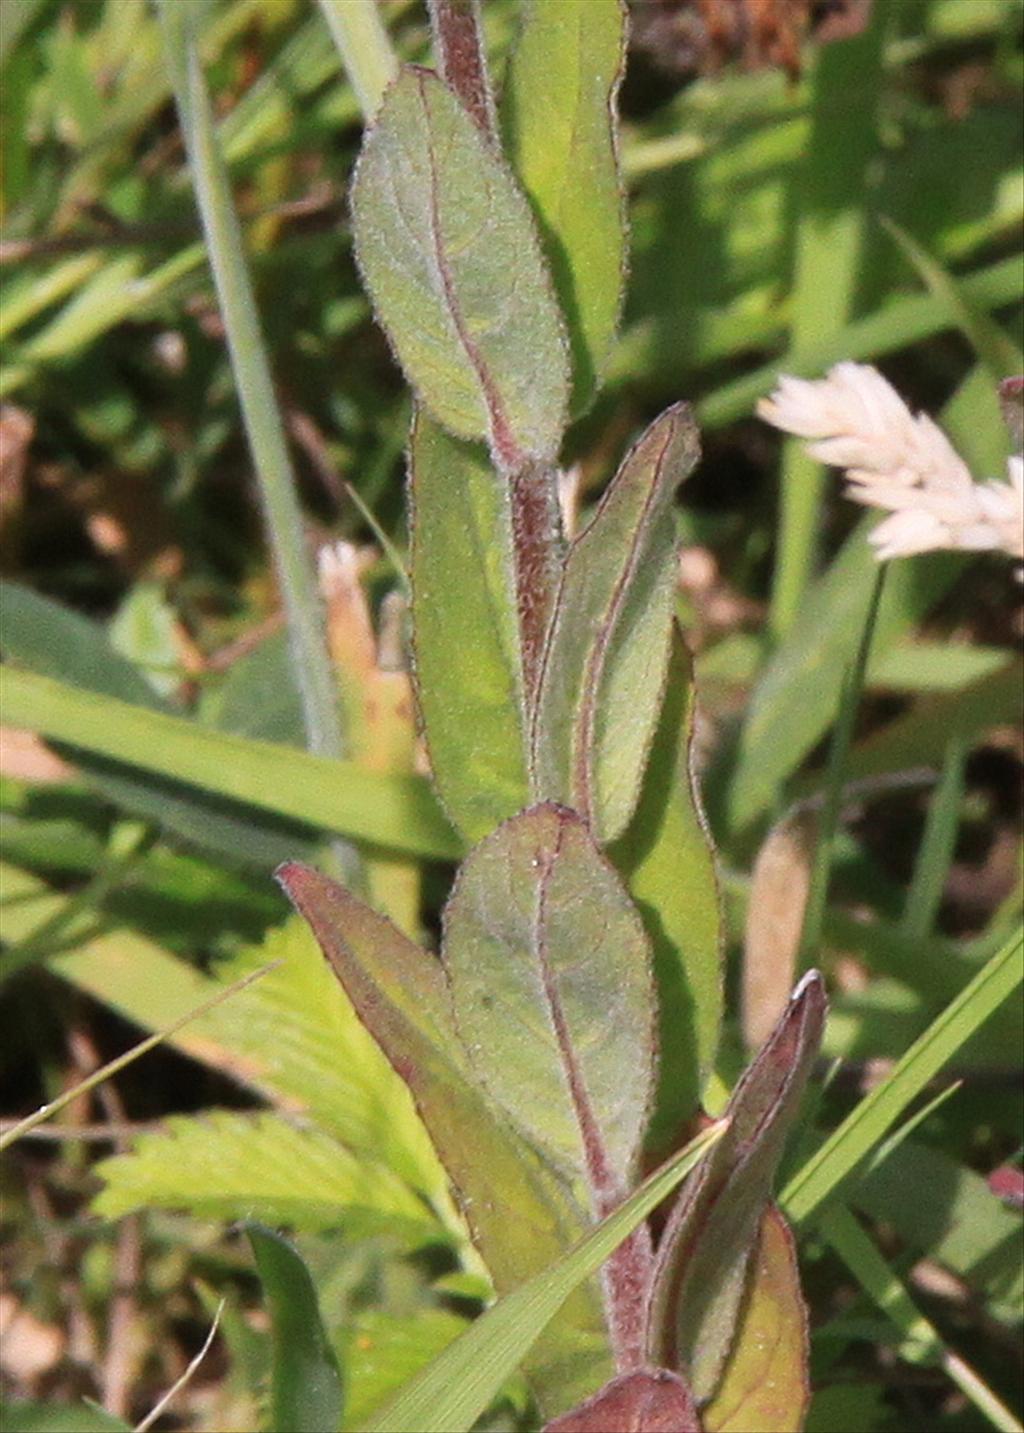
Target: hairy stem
column 462, row 61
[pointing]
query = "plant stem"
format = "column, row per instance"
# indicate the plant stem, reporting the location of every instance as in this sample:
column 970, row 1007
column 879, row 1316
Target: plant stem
column 366, row 52
column 828, row 251
column 537, row 549
column 251, row 370
column 462, row 59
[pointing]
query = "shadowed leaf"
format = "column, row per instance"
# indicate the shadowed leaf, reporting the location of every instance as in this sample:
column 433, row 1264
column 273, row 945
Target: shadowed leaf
column 468, row 668
column 450, row 255
column 520, row 1215
column 650, row 1400
column 559, row 121
column 667, row 859
column 764, row 1384
column 704, row 1255
column 779, row 887
column 607, row 653
column 305, row 1385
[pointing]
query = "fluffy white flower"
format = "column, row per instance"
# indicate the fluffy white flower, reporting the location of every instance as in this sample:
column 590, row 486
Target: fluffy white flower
column 899, row 462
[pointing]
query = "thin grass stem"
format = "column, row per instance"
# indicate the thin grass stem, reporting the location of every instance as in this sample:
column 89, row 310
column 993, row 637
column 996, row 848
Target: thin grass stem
column 365, row 49
column 938, row 843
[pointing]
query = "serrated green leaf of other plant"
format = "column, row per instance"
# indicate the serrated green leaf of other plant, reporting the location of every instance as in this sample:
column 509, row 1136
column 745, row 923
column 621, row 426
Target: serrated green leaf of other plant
column 667, row 858
column 305, row 1384
column 559, row 121
column 224, row 1165
column 704, row 1256
column 520, row 1214
column 465, row 629
column 449, row 252
column 552, row 990
column 607, row 653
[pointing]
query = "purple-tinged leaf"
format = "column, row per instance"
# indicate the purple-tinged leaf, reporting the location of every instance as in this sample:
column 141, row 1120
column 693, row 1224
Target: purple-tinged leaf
column 607, row 653
column 704, row 1256
column 764, row 1383
column 651, row 1400
column 519, row 1214
column 450, row 255
column 462, row 61
column 551, row 984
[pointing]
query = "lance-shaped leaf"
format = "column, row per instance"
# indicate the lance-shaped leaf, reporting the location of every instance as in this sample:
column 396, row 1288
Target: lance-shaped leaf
column 704, row 1256
column 667, row 858
column 519, row 1213
column 764, row 1383
column 465, row 632
column 559, row 121
column 450, row 255
column 551, row 985
column 607, row 652
column 649, row 1400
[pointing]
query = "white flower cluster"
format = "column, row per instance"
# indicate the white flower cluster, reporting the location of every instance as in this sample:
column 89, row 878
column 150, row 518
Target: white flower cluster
column 901, row 463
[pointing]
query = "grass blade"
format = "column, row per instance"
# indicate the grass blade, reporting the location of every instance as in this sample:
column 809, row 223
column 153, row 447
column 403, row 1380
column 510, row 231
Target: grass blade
column 365, row 49
column 938, row 843
column 398, row 812
column 819, row 1178
column 449, row 1395
column 251, row 369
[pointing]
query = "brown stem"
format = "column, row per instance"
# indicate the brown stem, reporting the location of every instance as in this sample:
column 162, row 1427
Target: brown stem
column 463, row 64
column 537, row 540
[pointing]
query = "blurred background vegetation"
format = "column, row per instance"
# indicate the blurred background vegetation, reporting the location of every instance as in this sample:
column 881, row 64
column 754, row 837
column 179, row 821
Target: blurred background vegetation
column 809, row 191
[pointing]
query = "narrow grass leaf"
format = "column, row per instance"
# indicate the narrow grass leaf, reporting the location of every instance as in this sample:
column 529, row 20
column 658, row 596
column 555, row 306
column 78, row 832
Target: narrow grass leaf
column 305, row 1383
column 456, row 1388
column 937, row 844
column 397, row 812
column 465, row 630
column 449, row 253
column 558, row 115
column 358, row 31
column 848, row 1145
column 703, row 1260
column 607, row 653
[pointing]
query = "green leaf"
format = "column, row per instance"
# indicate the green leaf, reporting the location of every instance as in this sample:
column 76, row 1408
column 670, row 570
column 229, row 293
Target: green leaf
column 704, row 1255
column 521, row 1216
column 227, row 1166
column 465, row 630
column 293, row 1037
column 449, row 253
column 667, row 858
column 55, row 642
column 60, row 1418
column 397, row 812
column 551, row 986
column 949, row 1213
column 456, row 1388
column 382, row 1351
column 559, row 122
column 862, row 1129
column 607, row 653
column 305, row 1385
column 765, row 1382
column 798, row 693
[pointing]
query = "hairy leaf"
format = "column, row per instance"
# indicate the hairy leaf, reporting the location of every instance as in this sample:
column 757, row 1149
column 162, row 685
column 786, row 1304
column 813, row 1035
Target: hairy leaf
column 559, row 121
column 520, row 1214
column 450, row 1395
column 551, row 986
column 465, row 633
column 649, row 1400
column 764, row 1383
column 779, row 887
column 607, row 653
column 705, row 1251
column 667, row 859
column 305, row 1385
column 450, row 255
